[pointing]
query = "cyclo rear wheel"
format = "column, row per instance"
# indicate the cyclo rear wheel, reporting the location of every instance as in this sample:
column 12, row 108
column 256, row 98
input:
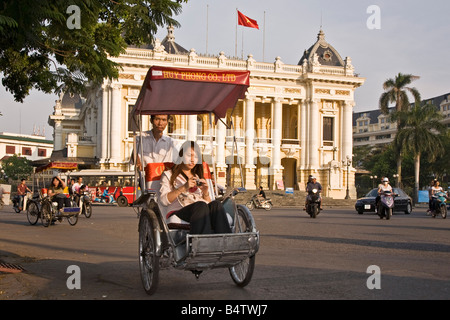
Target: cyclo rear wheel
column 242, row 272
column 148, row 260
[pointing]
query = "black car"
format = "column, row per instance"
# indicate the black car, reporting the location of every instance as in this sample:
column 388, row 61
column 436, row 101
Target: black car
column 402, row 202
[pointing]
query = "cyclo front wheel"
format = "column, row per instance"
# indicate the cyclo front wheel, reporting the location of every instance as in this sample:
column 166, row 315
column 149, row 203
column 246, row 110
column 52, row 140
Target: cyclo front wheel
column 73, row 219
column 33, row 213
column 242, row 272
column 46, row 214
column 148, row 260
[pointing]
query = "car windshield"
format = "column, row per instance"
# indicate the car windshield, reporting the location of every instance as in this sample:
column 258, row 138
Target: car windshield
column 400, row 192
column 372, row 193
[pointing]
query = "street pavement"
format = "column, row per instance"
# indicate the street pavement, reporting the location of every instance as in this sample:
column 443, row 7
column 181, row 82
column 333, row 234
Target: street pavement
column 338, row 256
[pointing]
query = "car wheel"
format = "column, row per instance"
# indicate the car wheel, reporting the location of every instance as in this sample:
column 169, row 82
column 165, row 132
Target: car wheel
column 408, row 208
column 360, row 211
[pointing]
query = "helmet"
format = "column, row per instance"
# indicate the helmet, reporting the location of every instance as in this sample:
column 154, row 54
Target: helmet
column 385, row 180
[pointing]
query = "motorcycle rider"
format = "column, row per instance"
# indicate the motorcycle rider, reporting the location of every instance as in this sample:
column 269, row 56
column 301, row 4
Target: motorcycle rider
column 435, row 189
column 384, row 186
column 261, row 197
column 22, row 191
column 313, row 184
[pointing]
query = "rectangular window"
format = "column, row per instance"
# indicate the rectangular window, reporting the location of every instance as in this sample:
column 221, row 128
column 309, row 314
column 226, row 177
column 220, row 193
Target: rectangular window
column 26, row 151
column 10, row 149
column 328, row 129
column 130, row 120
column 42, row 152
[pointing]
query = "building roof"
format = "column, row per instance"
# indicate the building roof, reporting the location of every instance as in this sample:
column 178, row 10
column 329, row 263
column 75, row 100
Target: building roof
column 170, row 46
column 328, row 56
column 375, row 113
column 72, row 101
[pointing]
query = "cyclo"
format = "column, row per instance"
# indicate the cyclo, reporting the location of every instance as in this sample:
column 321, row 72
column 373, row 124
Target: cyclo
column 46, row 209
column 162, row 245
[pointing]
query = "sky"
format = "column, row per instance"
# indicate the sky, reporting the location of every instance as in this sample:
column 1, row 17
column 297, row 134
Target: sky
column 383, row 38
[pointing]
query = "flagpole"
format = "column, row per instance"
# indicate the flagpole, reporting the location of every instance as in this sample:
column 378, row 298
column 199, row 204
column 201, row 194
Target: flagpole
column 264, row 35
column 207, row 9
column 242, row 49
column 235, row 41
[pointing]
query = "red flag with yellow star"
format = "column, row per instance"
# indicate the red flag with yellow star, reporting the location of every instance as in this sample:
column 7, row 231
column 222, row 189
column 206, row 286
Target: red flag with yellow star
column 245, row 21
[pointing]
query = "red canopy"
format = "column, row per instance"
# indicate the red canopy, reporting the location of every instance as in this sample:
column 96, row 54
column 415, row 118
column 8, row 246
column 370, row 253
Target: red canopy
column 190, row 91
column 58, row 165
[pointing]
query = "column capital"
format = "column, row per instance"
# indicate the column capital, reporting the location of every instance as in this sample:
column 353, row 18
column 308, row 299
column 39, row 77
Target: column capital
column 116, row 86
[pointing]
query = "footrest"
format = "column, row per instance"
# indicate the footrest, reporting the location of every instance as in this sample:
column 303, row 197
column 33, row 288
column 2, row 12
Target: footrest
column 180, row 226
column 66, row 211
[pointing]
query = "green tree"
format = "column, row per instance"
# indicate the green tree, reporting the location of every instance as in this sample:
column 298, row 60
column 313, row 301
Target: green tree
column 396, row 91
column 17, row 167
column 421, row 132
column 43, row 46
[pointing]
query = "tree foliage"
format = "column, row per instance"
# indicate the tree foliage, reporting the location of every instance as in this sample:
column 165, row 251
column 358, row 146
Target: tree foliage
column 39, row 50
column 17, row 167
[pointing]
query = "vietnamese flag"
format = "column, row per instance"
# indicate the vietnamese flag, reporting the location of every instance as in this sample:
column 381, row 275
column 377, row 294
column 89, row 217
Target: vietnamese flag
column 245, row 21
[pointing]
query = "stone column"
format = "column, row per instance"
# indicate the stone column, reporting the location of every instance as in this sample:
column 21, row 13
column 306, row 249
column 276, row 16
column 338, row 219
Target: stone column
column 314, row 134
column 116, row 113
column 104, row 153
column 59, row 143
column 277, row 125
column 192, row 127
column 221, row 166
column 347, row 130
column 249, row 140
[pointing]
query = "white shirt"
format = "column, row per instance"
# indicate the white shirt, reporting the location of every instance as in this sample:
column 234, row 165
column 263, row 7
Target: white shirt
column 435, row 190
column 155, row 151
column 166, row 206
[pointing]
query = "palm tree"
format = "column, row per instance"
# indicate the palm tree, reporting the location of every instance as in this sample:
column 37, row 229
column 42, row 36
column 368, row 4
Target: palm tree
column 396, row 91
column 422, row 132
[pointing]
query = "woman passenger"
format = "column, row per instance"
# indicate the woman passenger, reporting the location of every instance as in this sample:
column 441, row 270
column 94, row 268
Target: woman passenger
column 56, row 193
column 184, row 193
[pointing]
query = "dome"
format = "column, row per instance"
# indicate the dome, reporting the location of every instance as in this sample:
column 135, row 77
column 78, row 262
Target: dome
column 70, row 100
column 168, row 44
column 328, row 56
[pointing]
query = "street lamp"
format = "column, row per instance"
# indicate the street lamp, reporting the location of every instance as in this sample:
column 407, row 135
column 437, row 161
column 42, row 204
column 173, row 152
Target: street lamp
column 373, row 180
column 396, row 179
column 347, row 163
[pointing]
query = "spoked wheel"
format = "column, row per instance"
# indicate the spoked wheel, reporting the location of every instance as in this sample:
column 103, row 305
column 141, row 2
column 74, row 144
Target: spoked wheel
column 73, row 219
column 242, row 272
column 87, row 210
column 33, row 213
column 148, row 260
column 444, row 211
column 46, row 214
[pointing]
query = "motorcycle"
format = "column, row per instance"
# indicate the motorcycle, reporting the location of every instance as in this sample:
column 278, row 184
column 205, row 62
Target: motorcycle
column 440, row 207
column 386, row 205
column 16, row 202
column 84, row 203
column 313, row 203
column 259, row 204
